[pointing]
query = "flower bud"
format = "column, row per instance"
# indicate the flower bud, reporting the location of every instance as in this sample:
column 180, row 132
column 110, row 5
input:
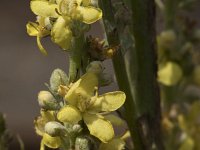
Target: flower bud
column 167, row 39
column 47, row 101
column 105, row 79
column 54, row 128
column 95, row 67
column 82, row 143
column 76, row 128
column 58, row 77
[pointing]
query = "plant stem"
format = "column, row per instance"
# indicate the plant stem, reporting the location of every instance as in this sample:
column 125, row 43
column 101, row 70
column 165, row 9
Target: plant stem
column 75, row 58
column 147, row 92
column 170, row 13
column 121, row 73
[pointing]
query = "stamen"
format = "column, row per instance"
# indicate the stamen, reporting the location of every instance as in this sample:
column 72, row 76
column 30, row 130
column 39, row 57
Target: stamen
column 57, row 11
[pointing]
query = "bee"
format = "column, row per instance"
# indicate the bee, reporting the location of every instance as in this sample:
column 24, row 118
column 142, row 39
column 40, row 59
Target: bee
column 99, row 50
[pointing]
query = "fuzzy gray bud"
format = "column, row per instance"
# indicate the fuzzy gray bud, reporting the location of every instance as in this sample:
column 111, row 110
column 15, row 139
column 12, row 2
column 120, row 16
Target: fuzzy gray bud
column 95, row 67
column 54, row 128
column 82, row 143
column 58, row 77
column 47, row 101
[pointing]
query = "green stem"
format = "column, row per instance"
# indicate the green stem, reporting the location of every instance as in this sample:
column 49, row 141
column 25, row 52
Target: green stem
column 170, row 13
column 147, row 93
column 75, row 58
column 170, row 18
column 121, row 73
column 4, row 141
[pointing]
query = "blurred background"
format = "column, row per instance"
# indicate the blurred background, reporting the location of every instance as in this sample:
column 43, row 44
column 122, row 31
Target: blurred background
column 24, row 70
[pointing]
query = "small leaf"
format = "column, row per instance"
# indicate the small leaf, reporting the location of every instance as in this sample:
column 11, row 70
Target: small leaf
column 99, row 127
column 107, row 102
column 51, row 142
column 44, row 8
column 69, row 114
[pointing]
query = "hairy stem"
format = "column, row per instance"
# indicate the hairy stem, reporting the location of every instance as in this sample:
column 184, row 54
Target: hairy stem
column 146, row 86
column 121, row 73
column 170, row 13
column 75, row 58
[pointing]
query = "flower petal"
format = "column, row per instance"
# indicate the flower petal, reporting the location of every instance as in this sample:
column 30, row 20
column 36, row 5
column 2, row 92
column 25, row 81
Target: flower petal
column 40, row 122
column 114, row 144
column 85, row 87
column 99, row 127
column 170, row 73
column 44, row 8
column 107, row 102
column 90, row 14
column 32, row 29
column 86, row 2
column 41, row 48
column 51, row 142
column 188, row 144
column 115, row 120
column 69, row 114
column 61, row 34
column 42, row 146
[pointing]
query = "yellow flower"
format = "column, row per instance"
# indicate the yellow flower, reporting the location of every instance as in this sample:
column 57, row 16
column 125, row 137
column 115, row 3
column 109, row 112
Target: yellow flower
column 169, row 73
column 39, row 30
column 65, row 11
column 83, row 104
column 40, row 122
column 191, row 127
column 116, row 143
column 80, row 10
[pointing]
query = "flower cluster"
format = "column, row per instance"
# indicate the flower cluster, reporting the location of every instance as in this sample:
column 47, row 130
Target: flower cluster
column 61, row 19
column 73, row 115
column 71, row 111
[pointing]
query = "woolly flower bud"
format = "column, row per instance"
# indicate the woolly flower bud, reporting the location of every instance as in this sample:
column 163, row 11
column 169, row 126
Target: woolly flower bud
column 76, row 128
column 58, row 77
column 167, row 39
column 47, row 101
column 82, row 143
column 95, row 67
column 168, row 36
column 54, row 128
column 105, row 79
